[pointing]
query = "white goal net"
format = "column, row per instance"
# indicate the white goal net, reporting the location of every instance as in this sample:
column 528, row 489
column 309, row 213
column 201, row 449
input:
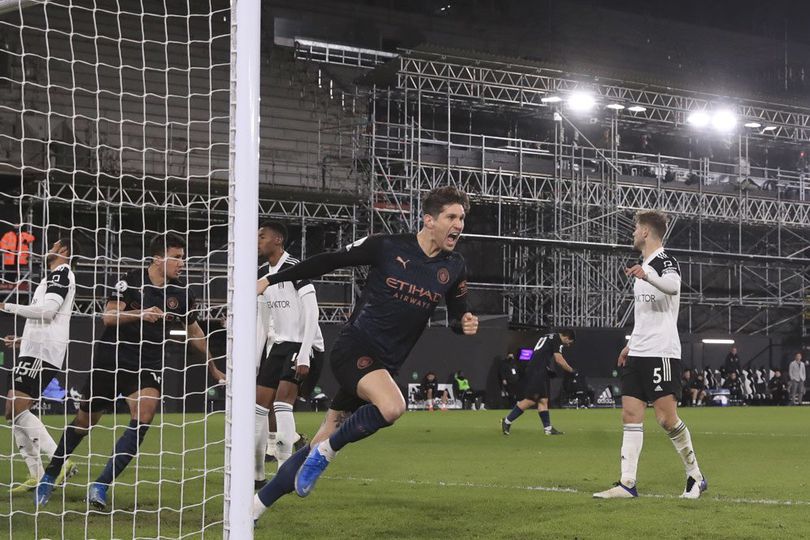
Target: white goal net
column 116, row 130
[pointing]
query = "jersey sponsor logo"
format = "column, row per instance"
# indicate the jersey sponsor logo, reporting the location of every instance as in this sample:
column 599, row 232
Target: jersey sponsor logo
column 413, row 294
column 403, row 262
column 646, row 298
column 172, row 302
column 364, row 361
column 443, row 276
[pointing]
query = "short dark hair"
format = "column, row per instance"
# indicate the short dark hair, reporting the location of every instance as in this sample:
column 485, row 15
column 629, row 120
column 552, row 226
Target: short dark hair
column 73, row 246
column 654, row 219
column 436, row 199
column 161, row 242
column 277, row 227
column 568, row 332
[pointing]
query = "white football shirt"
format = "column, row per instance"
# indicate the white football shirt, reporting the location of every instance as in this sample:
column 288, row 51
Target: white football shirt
column 286, row 311
column 655, row 331
column 48, row 340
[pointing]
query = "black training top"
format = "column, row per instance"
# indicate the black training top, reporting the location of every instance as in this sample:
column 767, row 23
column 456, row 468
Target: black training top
column 543, row 355
column 141, row 342
column 403, row 288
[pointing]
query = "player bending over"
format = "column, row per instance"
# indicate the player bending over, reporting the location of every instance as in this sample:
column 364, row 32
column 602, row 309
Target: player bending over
column 537, row 384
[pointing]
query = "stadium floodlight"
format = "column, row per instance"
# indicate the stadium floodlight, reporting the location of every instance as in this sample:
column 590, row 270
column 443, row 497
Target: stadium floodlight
column 718, row 341
column 752, row 124
column 698, row 119
column 615, row 106
column 551, row 99
column 769, row 128
column 724, row 120
column 637, row 108
column 581, row 101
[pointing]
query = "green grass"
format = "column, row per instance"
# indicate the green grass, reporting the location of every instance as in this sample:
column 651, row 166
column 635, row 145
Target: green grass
column 453, row 475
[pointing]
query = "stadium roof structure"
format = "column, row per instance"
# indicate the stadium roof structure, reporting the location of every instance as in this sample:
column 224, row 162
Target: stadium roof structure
column 492, row 81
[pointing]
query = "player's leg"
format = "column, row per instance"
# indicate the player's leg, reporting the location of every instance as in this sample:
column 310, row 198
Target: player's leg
column 444, row 400
column 285, row 420
column 32, row 438
column 283, row 482
column 520, row 407
column 634, row 393
column 694, row 392
column 429, row 399
column 264, row 400
column 384, row 406
column 545, row 417
column 60, row 466
column 666, row 413
column 18, row 414
column 143, row 392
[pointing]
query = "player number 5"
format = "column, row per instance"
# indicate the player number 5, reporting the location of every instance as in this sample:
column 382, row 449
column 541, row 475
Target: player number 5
column 656, row 375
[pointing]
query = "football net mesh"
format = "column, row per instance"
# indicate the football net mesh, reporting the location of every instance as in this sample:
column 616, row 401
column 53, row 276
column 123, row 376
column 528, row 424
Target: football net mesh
column 115, row 120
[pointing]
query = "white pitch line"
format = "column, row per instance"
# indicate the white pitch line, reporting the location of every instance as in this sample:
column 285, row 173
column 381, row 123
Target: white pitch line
column 546, row 489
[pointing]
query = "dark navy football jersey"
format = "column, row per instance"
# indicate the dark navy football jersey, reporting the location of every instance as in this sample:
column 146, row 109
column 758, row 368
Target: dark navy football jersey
column 543, row 355
column 141, row 341
column 403, row 289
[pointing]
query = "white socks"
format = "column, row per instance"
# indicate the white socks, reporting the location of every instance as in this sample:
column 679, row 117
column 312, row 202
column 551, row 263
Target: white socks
column 326, row 450
column 258, row 507
column 286, row 435
column 682, row 441
column 32, row 439
column 260, row 428
column 271, row 444
column 632, row 442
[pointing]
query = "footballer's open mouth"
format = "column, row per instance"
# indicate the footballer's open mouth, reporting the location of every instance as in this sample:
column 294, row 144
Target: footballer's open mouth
column 453, row 237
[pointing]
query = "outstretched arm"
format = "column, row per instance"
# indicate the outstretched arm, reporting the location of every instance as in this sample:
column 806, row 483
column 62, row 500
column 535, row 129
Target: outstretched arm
column 361, row 253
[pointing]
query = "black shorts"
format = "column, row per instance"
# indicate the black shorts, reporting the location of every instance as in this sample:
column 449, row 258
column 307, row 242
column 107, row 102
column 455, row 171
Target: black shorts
column 279, row 365
column 351, row 360
column 116, row 375
column 650, row 378
column 31, row 375
column 537, row 385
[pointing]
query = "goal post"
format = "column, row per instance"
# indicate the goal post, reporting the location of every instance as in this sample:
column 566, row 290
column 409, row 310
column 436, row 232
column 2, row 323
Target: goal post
column 244, row 185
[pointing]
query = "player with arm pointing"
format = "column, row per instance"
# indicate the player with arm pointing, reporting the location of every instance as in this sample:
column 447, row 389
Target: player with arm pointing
column 409, row 274
column 537, row 383
column 42, row 355
column 128, row 359
column 651, row 360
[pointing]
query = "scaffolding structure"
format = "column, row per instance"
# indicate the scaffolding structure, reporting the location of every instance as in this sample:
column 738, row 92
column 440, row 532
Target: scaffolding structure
column 114, row 203
column 560, row 212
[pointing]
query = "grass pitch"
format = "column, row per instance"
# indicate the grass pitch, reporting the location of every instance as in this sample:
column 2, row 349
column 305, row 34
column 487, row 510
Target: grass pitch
column 454, row 475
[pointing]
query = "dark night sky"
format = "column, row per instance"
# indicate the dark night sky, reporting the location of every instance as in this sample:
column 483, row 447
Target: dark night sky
column 769, row 18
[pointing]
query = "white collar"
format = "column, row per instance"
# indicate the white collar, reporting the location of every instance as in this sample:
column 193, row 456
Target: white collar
column 281, row 260
column 653, row 255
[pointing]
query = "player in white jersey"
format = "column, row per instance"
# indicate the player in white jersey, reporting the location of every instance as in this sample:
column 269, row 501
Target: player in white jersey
column 651, row 360
column 296, row 352
column 41, row 356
